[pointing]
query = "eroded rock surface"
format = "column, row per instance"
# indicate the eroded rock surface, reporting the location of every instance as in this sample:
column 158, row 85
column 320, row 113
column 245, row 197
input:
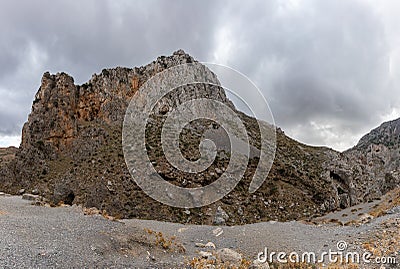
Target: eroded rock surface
column 71, row 151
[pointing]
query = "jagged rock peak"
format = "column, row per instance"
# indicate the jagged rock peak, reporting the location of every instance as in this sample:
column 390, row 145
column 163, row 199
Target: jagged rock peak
column 387, row 134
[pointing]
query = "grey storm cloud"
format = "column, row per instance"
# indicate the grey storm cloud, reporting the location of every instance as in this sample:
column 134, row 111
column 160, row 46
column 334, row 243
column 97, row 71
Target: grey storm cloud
column 83, row 39
column 326, row 67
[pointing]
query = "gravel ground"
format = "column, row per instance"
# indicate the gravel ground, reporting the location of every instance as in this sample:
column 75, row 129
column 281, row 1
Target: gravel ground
column 41, row 237
column 63, row 237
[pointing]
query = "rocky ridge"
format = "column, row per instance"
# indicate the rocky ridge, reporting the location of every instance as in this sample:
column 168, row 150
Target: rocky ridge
column 71, row 152
column 371, row 168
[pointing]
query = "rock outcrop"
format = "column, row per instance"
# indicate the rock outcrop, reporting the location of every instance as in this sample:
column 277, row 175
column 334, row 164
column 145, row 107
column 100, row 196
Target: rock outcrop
column 369, row 169
column 7, row 156
column 71, row 152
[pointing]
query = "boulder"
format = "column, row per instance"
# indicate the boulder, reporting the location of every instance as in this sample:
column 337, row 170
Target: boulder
column 230, row 256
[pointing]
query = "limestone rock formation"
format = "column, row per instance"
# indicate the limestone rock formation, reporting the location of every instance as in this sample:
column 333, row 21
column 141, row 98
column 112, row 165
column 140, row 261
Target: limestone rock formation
column 71, row 151
column 371, row 168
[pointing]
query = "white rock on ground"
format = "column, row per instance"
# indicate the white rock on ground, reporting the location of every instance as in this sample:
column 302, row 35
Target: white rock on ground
column 218, row 231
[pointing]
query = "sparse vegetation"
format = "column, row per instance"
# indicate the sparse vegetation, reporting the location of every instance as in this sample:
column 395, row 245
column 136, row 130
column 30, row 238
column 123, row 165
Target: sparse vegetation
column 313, row 266
column 386, row 241
column 202, row 263
column 167, row 243
column 391, row 200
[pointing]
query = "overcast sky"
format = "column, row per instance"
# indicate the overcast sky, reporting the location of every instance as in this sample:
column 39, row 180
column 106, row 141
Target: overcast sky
column 330, row 70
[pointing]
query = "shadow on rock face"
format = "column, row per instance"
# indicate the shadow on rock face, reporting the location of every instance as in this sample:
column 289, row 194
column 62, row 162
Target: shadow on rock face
column 62, row 193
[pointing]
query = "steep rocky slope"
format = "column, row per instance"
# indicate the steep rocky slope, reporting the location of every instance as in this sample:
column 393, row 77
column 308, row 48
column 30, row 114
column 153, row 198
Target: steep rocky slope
column 372, row 167
column 71, row 151
column 7, row 156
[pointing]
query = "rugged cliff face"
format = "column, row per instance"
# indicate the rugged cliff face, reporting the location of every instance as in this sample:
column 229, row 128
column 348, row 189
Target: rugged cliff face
column 71, row 151
column 371, row 168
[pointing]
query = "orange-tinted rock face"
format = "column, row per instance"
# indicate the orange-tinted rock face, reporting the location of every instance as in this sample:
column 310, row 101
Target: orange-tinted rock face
column 60, row 106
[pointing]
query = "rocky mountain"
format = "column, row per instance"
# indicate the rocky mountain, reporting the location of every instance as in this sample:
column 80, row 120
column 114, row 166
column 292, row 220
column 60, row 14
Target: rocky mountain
column 7, row 158
column 71, row 152
column 371, row 168
column 7, row 155
column 388, row 135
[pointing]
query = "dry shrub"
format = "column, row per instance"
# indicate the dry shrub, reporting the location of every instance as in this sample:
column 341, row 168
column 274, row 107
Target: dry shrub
column 167, row 243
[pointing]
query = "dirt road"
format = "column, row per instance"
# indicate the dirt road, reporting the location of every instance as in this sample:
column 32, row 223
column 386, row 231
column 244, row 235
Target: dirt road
column 64, row 237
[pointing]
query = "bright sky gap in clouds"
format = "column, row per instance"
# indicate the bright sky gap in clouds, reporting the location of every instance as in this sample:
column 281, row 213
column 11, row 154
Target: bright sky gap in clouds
column 329, row 69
